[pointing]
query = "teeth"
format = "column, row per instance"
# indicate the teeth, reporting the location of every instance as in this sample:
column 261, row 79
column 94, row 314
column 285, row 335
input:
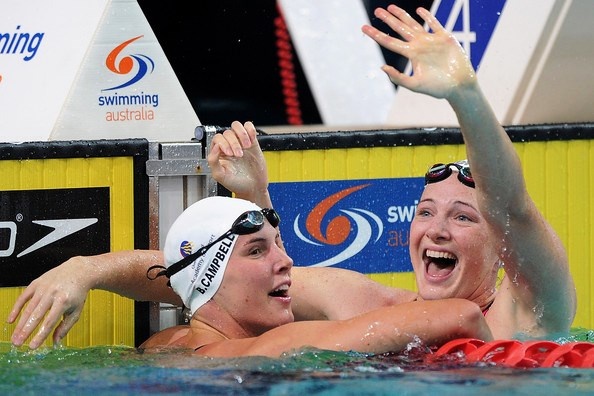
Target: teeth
column 446, row 255
column 282, row 288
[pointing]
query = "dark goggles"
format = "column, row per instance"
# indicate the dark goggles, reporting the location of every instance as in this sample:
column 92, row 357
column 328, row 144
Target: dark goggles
column 439, row 172
column 248, row 223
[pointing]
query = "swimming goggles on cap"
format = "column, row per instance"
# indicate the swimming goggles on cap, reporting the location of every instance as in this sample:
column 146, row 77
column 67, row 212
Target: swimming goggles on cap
column 248, row 223
column 439, row 172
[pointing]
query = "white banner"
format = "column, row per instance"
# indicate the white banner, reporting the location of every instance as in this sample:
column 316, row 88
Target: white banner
column 532, row 58
column 92, row 69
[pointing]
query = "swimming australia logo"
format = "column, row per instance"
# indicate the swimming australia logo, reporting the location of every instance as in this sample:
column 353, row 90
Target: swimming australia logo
column 129, row 106
column 134, row 65
column 361, row 225
column 351, row 228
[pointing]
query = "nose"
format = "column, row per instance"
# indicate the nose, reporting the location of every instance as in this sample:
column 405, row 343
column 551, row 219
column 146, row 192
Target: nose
column 438, row 230
column 283, row 262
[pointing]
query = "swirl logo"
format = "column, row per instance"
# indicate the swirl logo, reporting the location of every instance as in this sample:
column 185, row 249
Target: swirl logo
column 136, row 65
column 353, row 228
column 185, row 248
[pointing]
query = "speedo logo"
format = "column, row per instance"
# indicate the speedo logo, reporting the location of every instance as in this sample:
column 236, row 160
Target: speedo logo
column 60, row 229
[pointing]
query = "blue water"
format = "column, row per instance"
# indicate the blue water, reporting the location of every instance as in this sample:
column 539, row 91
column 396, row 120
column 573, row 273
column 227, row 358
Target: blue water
column 124, row 371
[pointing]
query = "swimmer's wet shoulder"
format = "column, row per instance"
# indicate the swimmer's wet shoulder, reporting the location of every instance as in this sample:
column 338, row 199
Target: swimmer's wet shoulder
column 168, row 337
column 184, row 336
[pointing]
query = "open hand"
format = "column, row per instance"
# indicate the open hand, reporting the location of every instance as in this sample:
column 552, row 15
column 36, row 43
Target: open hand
column 440, row 65
column 58, row 294
column 237, row 162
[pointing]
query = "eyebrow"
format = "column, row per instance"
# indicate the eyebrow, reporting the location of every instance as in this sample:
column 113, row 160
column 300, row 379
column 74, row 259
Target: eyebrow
column 455, row 203
column 257, row 239
column 253, row 240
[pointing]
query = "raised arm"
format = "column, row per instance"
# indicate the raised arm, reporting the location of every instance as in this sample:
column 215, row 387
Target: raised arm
column 537, row 293
column 237, row 162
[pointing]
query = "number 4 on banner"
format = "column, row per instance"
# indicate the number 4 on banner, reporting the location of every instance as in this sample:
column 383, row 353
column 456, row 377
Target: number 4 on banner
column 461, row 10
column 471, row 21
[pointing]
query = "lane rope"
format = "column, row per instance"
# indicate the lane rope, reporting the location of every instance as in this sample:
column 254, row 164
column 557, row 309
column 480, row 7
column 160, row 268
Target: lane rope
column 513, row 353
column 287, row 70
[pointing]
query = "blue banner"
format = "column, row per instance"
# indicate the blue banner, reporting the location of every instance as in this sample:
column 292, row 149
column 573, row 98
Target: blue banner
column 471, row 21
column 362, row 225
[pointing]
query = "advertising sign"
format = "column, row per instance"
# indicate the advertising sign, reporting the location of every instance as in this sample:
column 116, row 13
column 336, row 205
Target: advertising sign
column 39, row 228
column 90, row 69
column 362, row 225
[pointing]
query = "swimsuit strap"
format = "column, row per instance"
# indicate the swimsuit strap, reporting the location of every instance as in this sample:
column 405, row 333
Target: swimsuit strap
column 487, row 308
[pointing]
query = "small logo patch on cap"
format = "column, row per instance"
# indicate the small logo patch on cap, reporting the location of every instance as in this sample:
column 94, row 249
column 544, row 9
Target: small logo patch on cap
column 185, row 248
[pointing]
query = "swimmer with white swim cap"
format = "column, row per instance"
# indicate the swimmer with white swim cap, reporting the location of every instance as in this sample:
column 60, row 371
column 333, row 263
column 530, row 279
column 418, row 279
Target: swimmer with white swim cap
column 225, row 260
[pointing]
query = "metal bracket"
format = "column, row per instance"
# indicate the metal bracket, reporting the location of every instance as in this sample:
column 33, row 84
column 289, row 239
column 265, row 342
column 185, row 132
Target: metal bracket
column 178, row 159
column 177, row 167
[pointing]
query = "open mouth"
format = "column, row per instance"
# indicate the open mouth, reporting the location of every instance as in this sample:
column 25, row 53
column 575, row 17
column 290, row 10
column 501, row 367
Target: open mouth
column 282, row 291
column 439, row 264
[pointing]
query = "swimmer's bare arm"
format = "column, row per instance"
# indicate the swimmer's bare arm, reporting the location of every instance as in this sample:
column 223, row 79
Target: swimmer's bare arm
column 335, row 293
column 61, row 292
column 537, row 269
column 542, row 294
column 535, row 261
column 388, row 329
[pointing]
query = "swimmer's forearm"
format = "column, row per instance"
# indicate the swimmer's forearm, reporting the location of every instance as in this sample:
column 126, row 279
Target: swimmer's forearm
column 388, row 329
column 494, row 161
column 260, row 197
column 534, row 256
column 124, row 273
column 315, row 292
column 56, row 299
column 433, row 322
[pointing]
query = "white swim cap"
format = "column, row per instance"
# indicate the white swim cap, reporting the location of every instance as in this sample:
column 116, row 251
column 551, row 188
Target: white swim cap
column 199, row 225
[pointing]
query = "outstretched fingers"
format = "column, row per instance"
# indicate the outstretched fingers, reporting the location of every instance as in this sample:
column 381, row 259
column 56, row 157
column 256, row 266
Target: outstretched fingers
column 234, row 140
column 30, row 318
column 400, row 21
column 19, row 304
column 430, row 19
column 65, row 325
column 399, row 78
column 385, row 40
column 404, row 25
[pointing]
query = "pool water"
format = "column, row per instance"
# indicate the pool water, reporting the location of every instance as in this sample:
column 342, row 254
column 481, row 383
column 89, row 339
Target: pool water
column 110, row 370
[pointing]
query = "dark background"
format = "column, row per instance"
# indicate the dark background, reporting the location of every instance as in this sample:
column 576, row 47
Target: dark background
column 226, row 58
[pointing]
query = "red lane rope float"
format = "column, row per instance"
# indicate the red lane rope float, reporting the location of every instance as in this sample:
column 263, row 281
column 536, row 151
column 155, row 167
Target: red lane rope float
column 287, row 70
column 528, row 354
